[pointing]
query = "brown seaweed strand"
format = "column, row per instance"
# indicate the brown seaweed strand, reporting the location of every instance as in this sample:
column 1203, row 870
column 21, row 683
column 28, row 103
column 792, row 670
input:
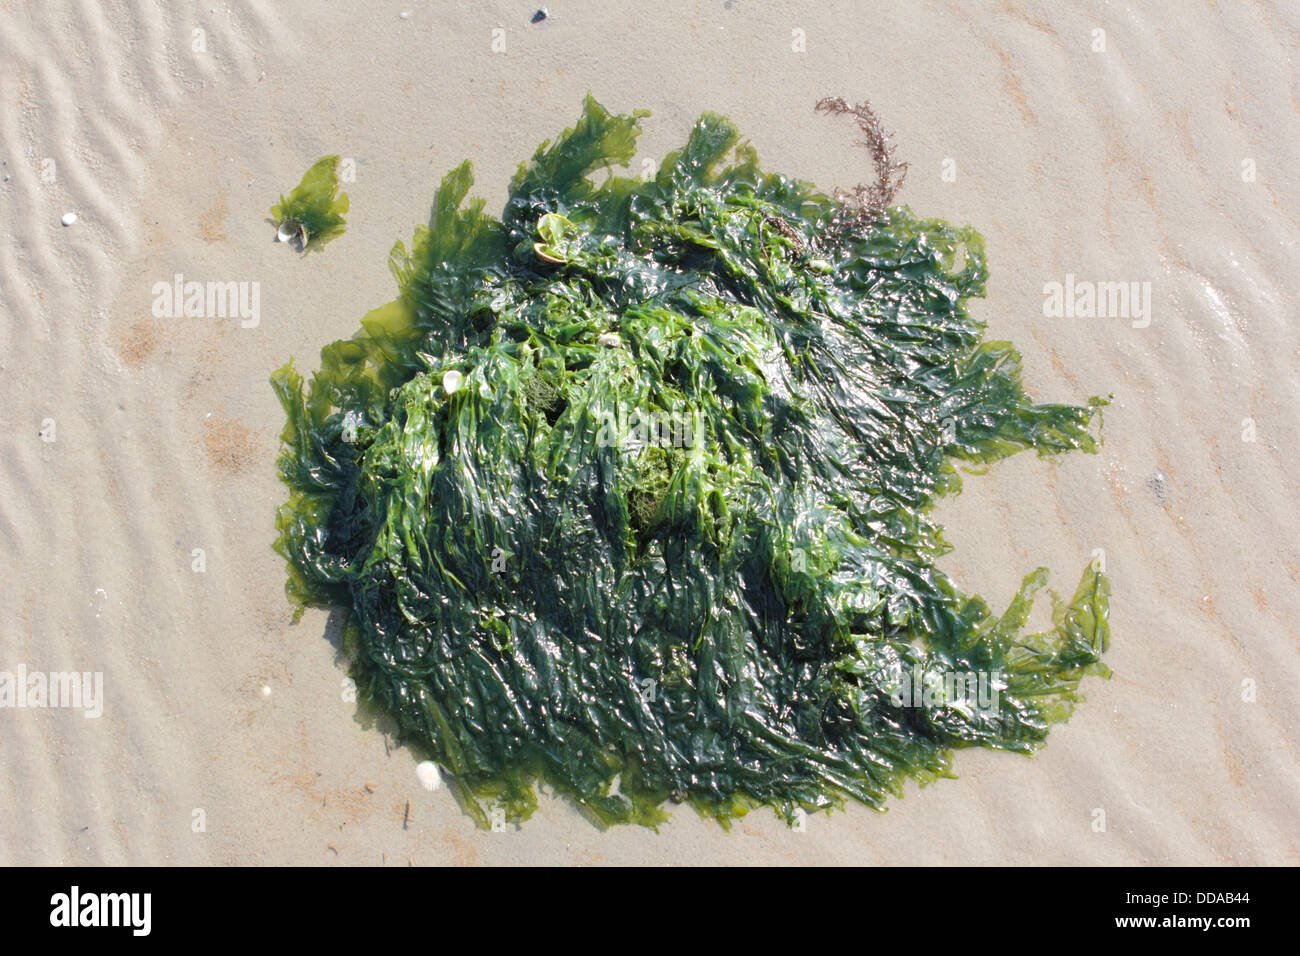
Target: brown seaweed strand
column 863, row 205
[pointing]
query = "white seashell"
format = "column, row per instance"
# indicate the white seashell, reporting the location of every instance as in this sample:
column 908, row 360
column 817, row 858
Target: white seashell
column 292, row 231
column 610, row 340
column 451, row 381
column 427, row 773
column 68, row 218
column 545, row 256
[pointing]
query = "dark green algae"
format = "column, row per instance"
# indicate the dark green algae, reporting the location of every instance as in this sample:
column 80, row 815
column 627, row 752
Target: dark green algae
column 722, row 621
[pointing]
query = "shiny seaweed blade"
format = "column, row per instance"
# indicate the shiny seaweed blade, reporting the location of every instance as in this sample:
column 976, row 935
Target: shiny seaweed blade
column 669, row 535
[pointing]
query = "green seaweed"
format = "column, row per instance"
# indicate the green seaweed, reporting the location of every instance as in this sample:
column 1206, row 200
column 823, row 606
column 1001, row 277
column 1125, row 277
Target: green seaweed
column 667, row 535
column 316, row 204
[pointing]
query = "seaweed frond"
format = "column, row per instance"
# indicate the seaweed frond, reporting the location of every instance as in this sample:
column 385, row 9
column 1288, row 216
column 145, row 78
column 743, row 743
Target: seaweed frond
column 862, row 206
column 312, row 214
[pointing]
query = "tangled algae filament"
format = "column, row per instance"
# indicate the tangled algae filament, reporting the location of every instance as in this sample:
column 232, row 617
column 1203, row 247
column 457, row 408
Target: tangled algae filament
column 540, row 588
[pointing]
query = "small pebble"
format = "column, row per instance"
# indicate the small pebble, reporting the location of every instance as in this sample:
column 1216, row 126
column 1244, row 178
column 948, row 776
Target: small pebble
column 540, row 15
column 405, row 15
column 451, row 381
column 610, row 340
column 69, row 218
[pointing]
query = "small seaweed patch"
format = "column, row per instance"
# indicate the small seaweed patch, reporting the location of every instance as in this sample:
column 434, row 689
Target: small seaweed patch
column 312, row 214
column 736, row 605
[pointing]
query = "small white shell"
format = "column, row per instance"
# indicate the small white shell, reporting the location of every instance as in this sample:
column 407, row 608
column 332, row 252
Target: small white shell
column 540, row 249
column 68, row 218
column 292, row 231
column 428, row 775
column 451, row 380
column 610, row 340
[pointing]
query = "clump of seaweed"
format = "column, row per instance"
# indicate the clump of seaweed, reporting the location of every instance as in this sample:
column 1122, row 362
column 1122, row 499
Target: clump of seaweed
column 312, row 214
column 735, row 605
